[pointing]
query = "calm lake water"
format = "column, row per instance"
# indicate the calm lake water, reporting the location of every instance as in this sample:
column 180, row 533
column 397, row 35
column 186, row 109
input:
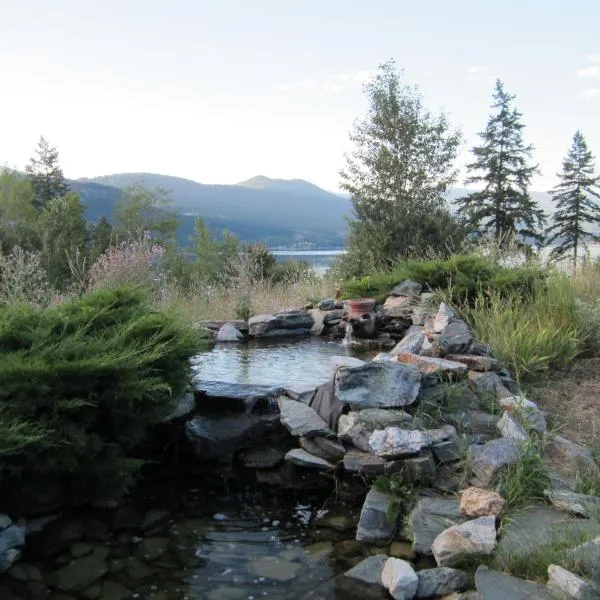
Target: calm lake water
column 319, row 260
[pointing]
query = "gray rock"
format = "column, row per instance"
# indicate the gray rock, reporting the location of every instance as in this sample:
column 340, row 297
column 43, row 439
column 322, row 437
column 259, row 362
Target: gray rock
column 221, row 438
column 400, row 579
column 511, row 429
column 488, row 384
column 12, row 538
column 333, row 316
column 258, row 325
column 356, row 461
column 300, row 419
column 374, row 523
column 526, row 410
column 433, row 366
column 79, row 574
column 407, row 288
column 219, row 397
column 229, row 333
column 326, row 448
column 293, row 319
column 302, row 458
column 447, row 451
column 412, row 342
column 261, row 458
column 418, row 469
column 393, row 442
column 497, row 586
column 427, row 349
column 5, row 521
column 456, row 338
column 587, row 558
column 430, row 517
column 378, row 385
column 575, row 456
column 565, row 584
column 8, row 558
column 458, row 542
column 581, row 505
column 399, row 306
column 488, row 459
column 364, row 579
column 327, row 304
column 345, row 361
column 277, row 333
column 443, row 318
column 186, row 406
column 441, row 582
column 357, row 426
column 475, row 362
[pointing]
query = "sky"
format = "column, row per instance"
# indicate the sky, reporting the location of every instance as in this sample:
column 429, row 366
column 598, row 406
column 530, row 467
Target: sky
column 220, row 91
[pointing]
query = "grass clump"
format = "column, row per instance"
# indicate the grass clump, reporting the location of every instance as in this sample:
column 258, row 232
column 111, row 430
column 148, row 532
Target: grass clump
column 81, row 383
column 403, row 494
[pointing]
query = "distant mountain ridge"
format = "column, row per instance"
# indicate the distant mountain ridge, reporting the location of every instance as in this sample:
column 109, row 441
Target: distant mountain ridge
column 282, row 213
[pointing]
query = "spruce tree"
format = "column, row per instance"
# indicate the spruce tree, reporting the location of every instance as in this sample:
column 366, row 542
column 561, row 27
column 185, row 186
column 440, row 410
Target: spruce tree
column 576, row 201
column 397, row 176
column 504, row 208
column 45, row 175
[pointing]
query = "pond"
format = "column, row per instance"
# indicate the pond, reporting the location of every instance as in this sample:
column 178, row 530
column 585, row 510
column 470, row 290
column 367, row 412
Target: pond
column 292, row 363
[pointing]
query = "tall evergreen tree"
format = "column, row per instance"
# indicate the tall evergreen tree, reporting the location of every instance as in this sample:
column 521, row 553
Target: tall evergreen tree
column 45, row 175
column 397, row 175
column 504, row 207
column 576, row 198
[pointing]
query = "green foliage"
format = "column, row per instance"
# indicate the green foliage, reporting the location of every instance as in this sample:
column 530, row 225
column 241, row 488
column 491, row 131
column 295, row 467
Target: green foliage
column 18, row 216
column 289, row 271
column 81, row 383
column 576, row 201
column 531, row 334
column 45, row 175
column 243, row 307
column 401, row 490
column 463, row 277
column 502, row 164
column 396, row 176
column 526, row 480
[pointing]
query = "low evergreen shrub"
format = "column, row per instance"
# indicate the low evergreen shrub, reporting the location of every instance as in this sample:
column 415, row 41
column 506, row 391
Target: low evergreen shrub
column 82, row 382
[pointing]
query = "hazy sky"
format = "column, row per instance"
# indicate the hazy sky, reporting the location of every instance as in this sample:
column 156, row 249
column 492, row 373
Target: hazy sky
column 219, row 91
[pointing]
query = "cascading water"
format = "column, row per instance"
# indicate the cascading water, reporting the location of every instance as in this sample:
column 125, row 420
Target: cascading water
column 349, row 337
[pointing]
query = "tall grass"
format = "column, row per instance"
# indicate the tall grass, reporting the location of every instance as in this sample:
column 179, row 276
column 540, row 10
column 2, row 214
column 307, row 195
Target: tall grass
column 531, row 334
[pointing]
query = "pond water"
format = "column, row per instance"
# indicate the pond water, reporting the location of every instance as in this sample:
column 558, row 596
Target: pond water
column 293, row 363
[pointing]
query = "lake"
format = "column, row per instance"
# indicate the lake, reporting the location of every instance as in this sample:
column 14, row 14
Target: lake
column 318, row 260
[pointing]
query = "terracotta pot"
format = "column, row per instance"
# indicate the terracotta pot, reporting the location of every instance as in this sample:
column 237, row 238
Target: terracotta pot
column 361, row 314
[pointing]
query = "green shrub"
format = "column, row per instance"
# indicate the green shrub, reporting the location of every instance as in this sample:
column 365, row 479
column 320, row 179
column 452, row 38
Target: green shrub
column 289, row 271
column 81, row 383
column 464, row 277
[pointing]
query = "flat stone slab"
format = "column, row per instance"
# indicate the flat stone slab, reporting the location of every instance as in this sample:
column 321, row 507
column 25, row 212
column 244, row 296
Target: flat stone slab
column 393, row 442
column 300, row 419
column 497, row 586
column 430, row 517
column 293, row 319
column 475, row 362
column 488, row 459
column 581, row 505
column 356, row 461
column 302, row 458
column 222, row 397
column 433, row 366
column 374, row 523
column 378, row 385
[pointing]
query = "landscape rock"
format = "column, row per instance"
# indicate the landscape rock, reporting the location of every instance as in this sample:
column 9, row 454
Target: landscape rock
column 447, row 451
column 393, row 442
column 229, row 333
column 5, row 521
column 261, row 457
column 407, row 288
column 488, row 383
column 433, row 366
column 456, row 338
column 587, row 558
column 431, row 516
column 476, row 362
column 427, row 349
column 488, row 459
column 364, row 579
column 474, row 537
column 186, row 406
column 440, row 582
column 565, row 584
column 400, row 579
column 572, row 455
column 302, row 458
column 577, row 504
column 258, row 325
column 480, row 502
column 327, row 304
column 333, row 317
column 293, row 320
column 374, row 524
column 399, row 306
column 498, row 586
column 12, row 539
column 511, row 429
column 79, row 574
column 345, row 361
column 418, row 469
column 443, row 318
column 378, row 385
column 300, row 419
column 357, row 426
column 221, row 398
column 526, row 410
column 365, row 463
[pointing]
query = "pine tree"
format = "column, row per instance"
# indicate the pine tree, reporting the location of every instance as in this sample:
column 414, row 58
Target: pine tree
column 45, row 175
column 504, row 208
column 396, row 176
column 575, row 197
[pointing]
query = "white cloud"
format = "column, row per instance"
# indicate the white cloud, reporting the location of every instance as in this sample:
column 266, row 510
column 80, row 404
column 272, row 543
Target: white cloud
column 328, row 83
column 476, row 70
column 589, row 72
column 594, row 58
column 478, row 73
column 303, row 84
column 591, row 93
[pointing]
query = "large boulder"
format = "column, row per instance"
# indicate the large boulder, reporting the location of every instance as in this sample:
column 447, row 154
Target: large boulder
column 219, row 397
column 378, row 385
column 498, row 586
column 400, row 579
column 300, row 419
column 375, row 523
column 357, row 426
column 491, row 457
column 444, row 317
column 399, row 306
column 258, row 325
column 293, row 319
column 565, row 584
column 440, row 582
column 229, row 333
column 456, row 338
column 455, row 544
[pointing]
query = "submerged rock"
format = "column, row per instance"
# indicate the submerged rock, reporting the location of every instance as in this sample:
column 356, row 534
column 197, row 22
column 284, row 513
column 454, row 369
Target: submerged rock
column 378, row 385
column 275, row 568
column 79, row 574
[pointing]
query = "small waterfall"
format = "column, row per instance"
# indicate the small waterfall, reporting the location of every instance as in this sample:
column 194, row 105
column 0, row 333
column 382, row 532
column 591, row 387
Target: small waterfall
column 349, row 337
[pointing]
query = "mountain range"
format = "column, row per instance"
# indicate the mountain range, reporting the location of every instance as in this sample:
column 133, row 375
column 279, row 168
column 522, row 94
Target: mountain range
column 282, row 213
